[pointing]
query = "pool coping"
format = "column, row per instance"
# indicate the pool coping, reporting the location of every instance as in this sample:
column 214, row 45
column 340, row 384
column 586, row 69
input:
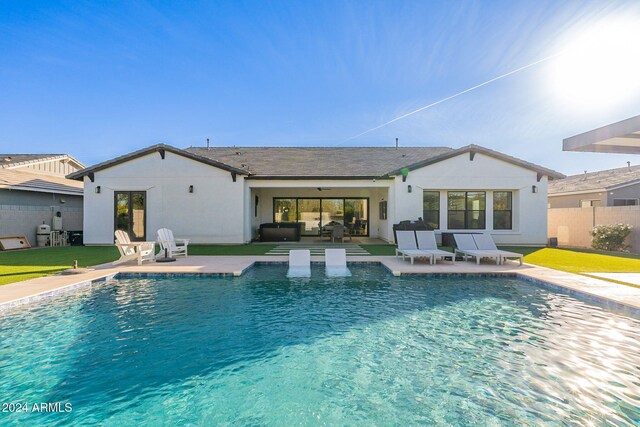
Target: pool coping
column 611, row 295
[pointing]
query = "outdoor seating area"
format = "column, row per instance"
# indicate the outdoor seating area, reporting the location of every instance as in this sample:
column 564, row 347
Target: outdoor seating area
column 419, row 244
column 129, row 251
column 170, row 247
column 480, row 246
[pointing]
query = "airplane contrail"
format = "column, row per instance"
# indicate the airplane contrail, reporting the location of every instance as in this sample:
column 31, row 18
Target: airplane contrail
column 433, row 104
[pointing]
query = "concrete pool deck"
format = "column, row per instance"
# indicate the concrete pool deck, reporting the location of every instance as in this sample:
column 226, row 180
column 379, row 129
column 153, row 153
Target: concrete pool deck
column 23, row 292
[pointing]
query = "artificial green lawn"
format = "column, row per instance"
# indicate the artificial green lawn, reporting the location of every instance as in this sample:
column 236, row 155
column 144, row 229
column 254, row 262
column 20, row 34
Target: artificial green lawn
column 28, row 264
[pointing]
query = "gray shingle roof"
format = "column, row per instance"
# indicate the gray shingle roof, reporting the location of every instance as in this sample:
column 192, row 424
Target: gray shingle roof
column 600, row 180
column 349, row 162
column 314, row 162
column 26, row 181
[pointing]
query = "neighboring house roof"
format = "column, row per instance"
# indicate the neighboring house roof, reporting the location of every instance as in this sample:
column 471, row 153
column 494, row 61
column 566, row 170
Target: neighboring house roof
column 596, row 181
column 316, row 162
column 11, row 161
column 158, row 148
column 11, row 179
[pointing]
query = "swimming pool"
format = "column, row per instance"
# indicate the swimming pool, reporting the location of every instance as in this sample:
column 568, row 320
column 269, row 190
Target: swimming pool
column 371, row 349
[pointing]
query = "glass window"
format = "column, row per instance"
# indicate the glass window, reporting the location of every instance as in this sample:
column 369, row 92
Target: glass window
column 130, row 213
column 466, row 210
column 332, row 212
column 502, row 210
column 431, row 209
column 356, row 217
column 309, row 214
column 285, row 210
column 315, row 213
column 625, row 202
column 587, row 203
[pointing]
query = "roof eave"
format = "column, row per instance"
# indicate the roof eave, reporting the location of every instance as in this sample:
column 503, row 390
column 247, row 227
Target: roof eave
column 482, row 150
column 317, row 177
column 80, row 191
column 158, row 148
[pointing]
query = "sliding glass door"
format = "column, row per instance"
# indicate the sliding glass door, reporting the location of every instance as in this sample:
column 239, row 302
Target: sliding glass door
column 309, row 215
column 356, row 216
column 131, row 213
column 332, row 212
column 316, row 213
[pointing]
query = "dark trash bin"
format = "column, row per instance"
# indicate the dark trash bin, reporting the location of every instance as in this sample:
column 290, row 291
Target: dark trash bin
column 75, row 238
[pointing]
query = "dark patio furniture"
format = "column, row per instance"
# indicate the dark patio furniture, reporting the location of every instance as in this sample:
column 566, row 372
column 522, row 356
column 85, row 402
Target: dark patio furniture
column 280, row 232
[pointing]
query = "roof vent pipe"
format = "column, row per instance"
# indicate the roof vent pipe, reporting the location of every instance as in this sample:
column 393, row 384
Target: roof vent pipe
column 207, row 143
column 585, row 174
column 397, row 143
column 629, row 166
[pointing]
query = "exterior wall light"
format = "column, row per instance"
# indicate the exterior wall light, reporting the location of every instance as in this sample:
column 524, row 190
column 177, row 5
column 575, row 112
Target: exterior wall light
column 405, row 174
column 98, row 189
column 191, row 189
column 534, row 189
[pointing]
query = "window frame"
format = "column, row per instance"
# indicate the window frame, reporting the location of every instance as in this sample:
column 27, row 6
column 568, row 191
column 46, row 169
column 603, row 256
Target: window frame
column 467, row 211
column 510, row 210
column 626, row 199
column 437, row 216
column 591, row 205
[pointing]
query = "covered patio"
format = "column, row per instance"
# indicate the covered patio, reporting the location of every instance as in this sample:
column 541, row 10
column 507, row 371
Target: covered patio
column 317, row 210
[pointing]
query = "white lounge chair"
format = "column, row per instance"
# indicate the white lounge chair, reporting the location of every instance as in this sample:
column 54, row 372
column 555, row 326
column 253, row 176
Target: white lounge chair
column 407, row 246
column 336, row 263
column 484, row 241
column 129, row 251
column 466, row 246
column 427, row 243
column 168, row 242
column 299, row 263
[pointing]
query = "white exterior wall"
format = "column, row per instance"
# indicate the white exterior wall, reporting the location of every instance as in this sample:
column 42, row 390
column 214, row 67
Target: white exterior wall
column 212, row 213
column 484, row 173
column 221, row 211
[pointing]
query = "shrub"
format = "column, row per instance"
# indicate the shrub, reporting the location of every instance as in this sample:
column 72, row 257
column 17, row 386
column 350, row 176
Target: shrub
column 610, row 237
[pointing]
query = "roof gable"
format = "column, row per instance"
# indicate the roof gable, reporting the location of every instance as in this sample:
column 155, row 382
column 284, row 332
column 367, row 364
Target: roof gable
column 13, row 161
column 472, row 150
column 161, row 149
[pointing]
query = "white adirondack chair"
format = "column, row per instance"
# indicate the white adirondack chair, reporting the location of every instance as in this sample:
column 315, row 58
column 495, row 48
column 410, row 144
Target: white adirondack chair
column 129, row 251
column 168, row 242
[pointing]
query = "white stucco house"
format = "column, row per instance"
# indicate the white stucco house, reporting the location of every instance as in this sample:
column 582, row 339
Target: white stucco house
column 223, row 194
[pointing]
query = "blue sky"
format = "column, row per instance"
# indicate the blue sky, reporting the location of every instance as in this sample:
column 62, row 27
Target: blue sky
column 99, row 79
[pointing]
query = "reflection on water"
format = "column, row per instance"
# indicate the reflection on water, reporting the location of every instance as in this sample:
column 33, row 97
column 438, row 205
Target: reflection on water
column 370, row 349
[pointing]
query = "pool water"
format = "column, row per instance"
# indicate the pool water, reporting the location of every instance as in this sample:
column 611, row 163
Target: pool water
column 372, row 349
